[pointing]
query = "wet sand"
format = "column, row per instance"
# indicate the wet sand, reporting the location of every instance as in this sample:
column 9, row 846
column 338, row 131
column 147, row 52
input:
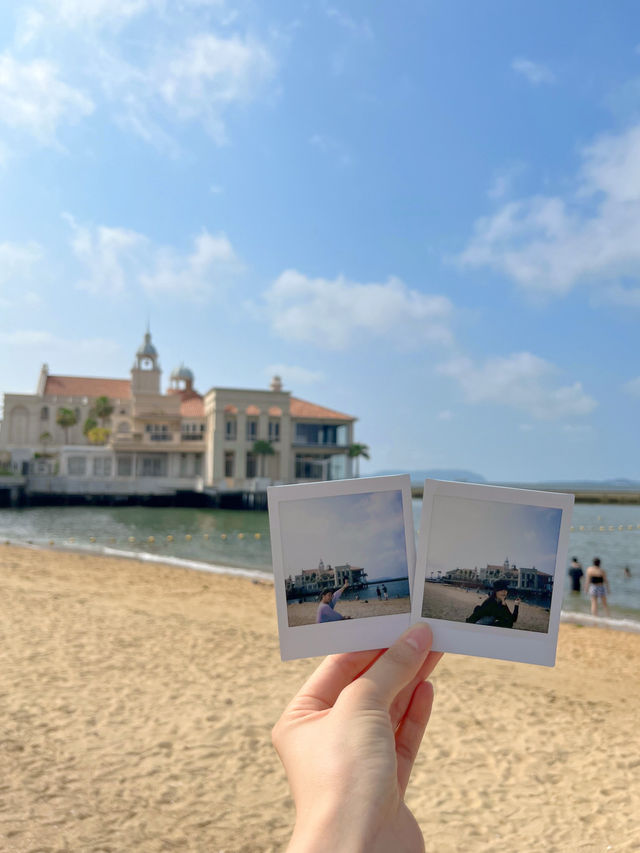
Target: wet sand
column 455, row 604
column 137, row 700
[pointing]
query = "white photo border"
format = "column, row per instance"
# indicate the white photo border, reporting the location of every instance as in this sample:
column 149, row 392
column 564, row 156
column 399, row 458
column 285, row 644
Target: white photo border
column 484, row 640
column 352, row 635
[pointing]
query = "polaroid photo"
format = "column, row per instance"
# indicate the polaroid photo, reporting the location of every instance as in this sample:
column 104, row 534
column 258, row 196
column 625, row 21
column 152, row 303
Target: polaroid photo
column 343, row 562
column 490, row 569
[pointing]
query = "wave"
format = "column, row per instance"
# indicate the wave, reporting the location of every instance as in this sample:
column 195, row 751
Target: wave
column 629, row 625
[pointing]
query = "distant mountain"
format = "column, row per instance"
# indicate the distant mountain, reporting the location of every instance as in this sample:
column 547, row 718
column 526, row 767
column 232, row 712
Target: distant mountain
column 619, row 484
column 418, row 477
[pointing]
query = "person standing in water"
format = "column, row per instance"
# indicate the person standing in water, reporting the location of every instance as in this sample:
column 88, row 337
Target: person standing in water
column 597, row 585
column 576, row 574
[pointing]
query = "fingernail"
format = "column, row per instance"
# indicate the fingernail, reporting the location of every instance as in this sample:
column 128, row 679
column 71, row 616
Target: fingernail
column 418, row 637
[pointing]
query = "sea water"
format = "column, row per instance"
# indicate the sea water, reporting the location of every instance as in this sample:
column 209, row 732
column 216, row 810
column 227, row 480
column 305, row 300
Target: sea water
column 239, row 540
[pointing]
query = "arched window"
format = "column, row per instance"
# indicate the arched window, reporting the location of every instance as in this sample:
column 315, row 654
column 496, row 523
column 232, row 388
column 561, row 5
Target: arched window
column 44, row 413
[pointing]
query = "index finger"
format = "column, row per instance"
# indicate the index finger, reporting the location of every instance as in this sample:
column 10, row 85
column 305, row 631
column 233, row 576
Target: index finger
column 323, row 687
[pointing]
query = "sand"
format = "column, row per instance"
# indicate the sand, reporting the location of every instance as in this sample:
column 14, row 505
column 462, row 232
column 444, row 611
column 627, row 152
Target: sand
column 136, row 702
column 455, row 604
column 305, row 613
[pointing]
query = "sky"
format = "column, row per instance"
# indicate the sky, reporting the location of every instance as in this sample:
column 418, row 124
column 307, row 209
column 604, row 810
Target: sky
column 469, row 533
column 423, row 214
column 365, row 530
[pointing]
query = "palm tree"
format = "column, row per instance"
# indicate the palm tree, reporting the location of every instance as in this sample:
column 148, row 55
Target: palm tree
column 89, row 424
column 355, row 452
column 66, row 418
column 45, row 439
column 98, row 435
column 102, row 409
column 262, row 449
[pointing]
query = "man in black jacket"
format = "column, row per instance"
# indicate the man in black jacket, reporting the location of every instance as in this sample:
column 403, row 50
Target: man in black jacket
column 494, row 611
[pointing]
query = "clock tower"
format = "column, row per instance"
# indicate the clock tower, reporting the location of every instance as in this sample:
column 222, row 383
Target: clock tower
column 145, row 373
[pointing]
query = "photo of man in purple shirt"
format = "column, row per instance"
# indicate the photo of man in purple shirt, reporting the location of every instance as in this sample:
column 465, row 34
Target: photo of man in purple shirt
column 328, row 599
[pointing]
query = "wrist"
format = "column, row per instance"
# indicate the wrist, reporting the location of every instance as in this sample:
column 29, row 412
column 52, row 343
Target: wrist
column 332, row 830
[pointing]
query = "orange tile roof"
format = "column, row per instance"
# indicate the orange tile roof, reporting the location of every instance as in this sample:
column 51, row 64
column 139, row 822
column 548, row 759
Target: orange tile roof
column 87, row 386
column 304, row 409
column 192, row 408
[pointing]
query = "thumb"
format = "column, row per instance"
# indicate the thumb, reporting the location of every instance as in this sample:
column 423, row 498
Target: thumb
column 393, row 670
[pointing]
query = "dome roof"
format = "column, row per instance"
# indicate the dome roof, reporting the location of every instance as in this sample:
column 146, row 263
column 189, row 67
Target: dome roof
column 147, row 348
column 182, row 372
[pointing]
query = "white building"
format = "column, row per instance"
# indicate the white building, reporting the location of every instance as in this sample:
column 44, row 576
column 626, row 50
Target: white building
column 154, row 442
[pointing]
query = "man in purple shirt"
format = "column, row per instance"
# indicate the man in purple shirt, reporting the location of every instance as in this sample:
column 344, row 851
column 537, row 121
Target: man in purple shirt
column 328, row 600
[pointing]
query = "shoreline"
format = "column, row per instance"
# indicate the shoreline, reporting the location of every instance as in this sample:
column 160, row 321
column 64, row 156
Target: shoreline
column 573, row 617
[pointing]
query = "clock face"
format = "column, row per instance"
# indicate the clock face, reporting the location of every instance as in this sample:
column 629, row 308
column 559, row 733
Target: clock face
column 147, row 363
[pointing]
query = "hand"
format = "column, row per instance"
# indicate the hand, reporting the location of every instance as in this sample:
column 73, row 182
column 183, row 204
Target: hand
column 348, row 741
column 517, row 601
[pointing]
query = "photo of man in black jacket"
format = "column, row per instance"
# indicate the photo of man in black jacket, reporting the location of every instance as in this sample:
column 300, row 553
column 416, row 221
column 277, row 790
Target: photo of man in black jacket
column 493, row 610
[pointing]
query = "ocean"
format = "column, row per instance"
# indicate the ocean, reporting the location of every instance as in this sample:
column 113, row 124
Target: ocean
column 237, row 542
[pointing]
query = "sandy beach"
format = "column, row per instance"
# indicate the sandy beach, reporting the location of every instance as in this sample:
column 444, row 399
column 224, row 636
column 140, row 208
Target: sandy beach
column 136, row 703
column 305, row 614
column 455, row 604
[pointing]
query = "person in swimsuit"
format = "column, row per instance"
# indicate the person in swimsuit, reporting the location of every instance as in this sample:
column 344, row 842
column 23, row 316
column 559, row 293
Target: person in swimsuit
column 597, row 585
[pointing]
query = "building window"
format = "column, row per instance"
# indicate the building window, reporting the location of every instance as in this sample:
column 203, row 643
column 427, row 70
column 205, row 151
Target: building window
column 229, row 463
column 78, row 415
column 230, row 429
column 252, row 429
column 274, row 430
column 320, row 434
column 154, row 466
column 251, row 465
column 77, row 466
column 44, row 413
column 197, row 464
column 312, row 469
column 125, row 467
column 102, row 467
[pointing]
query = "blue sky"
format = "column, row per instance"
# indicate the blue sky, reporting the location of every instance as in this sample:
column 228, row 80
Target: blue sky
column 365, row 530
column 468, row 533
column 425, row 214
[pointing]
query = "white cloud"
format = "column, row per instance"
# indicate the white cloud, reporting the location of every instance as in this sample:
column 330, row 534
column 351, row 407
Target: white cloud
column 504, row 180
column 522, row 381
column 119, row 259
column 362, row 29
column 80, row 14
column 18, row 261
column 445, row 415
column 292, row 375
column 111, row 256
column 197, row 275
column 332, row 313
column 549, row 244
column 331, row 147
column 535, row 72
column 46, row 342
column 632, row 387
column 35, row 100
column 208, row 74
column 188, row 67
